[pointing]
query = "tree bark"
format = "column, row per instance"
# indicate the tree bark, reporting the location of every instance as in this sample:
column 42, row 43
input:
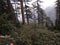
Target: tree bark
column 22, row 11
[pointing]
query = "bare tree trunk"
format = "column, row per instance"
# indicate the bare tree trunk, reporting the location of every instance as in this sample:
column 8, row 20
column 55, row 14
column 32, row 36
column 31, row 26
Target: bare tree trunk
column 22, row 11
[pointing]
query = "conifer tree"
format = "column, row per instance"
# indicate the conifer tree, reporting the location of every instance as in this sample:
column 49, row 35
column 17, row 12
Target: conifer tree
column 58, row 15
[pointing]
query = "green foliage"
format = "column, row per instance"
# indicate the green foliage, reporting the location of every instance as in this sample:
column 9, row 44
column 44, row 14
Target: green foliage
column 27, row 35
column 7, row 24
column 4, row 24
column 3, row 7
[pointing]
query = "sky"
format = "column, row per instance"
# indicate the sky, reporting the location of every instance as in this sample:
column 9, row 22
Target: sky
column 46, row 3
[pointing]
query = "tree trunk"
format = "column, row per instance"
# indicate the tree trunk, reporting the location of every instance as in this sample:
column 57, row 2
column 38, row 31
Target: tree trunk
column 38, row 12
column 22, row 11
column 27, row 15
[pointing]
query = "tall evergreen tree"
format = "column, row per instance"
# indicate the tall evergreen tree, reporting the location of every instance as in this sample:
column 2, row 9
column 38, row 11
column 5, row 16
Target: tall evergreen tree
column 4, row 28
column 7, row 18
column 58, row 15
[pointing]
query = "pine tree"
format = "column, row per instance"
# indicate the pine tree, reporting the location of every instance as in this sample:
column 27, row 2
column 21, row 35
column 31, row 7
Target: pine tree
column 4, row 28
column 7, row 18
column 58, row 15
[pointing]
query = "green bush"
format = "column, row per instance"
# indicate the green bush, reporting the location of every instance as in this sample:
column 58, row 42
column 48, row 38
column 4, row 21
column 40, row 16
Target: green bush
column 27, row 35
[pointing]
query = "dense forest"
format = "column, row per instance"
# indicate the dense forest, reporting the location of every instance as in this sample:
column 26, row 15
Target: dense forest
column 22, row 24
